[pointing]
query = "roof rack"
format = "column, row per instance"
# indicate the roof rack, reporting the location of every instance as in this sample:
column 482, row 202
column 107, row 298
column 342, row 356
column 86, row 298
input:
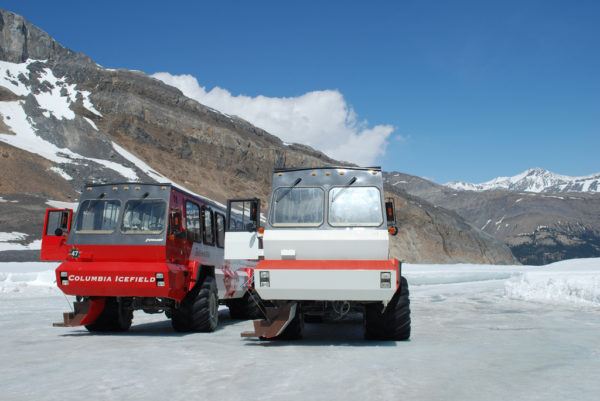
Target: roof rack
column 287, row 169
column 102, row 184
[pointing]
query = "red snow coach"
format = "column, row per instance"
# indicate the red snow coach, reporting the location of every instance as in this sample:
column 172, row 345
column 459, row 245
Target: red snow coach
column 152, row 247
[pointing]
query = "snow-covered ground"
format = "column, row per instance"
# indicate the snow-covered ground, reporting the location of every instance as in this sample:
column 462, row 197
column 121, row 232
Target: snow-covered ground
column 479, row 333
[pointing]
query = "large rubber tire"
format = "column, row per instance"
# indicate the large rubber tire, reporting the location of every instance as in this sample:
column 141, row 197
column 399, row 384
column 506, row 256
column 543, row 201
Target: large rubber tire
column 393, row 323
column 245, row 307
column 113, row 318
column 199, row 312
column 313, row 318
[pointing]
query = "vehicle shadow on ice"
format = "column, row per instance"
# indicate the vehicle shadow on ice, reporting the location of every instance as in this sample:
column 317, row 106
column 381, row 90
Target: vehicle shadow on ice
column 161, row 328
column 343, row 333
column 349, row 332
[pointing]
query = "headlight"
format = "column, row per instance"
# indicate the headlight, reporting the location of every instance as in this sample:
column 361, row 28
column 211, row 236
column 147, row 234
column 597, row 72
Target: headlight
column 385, row 280
column 265, row 280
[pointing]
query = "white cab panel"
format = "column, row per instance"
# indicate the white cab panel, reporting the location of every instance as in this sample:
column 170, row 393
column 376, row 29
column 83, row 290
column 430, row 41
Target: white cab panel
column 325, row 285
column 311, row 244
column 241, row 245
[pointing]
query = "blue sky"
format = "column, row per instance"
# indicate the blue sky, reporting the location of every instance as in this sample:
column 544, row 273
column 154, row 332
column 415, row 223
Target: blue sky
column 473, row 89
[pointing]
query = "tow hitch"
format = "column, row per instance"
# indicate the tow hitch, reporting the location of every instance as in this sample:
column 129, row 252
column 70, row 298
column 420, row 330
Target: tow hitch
column 84, row 312
column 275, row 322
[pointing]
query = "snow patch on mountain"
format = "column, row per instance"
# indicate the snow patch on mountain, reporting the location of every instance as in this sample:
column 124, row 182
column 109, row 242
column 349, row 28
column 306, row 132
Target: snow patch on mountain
column 54, row 97
column 536, row 180
column 139, row 163
column 61, row 172
column 52, row 101
column 93, row 124
column 10, row 74
column 12, row 241
column 12, row 236
column 61, row 205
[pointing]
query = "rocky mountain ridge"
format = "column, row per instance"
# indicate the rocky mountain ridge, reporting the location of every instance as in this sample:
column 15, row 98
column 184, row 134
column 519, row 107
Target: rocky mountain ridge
column 538, row 227
column 64, row 121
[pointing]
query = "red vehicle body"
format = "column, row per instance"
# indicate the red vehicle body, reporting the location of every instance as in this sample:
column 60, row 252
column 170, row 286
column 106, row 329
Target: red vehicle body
column 152, row 247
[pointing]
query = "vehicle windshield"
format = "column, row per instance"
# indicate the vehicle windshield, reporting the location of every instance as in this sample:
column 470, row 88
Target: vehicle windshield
column 298, row 207
column 98, row 216
column 144, row 216
column 355, row 206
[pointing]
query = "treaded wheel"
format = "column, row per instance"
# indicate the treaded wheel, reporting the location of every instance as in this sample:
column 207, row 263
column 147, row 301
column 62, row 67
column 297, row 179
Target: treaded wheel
column 113, row 318
column 394, row 322
column 199, row 312
column 244, row 307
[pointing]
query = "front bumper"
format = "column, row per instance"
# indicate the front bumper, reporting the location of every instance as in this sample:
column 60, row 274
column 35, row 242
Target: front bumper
column 122, row 279
column 327, row 280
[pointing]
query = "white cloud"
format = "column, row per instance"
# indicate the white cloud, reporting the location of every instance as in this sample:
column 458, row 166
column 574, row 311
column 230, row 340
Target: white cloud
column 321, row 119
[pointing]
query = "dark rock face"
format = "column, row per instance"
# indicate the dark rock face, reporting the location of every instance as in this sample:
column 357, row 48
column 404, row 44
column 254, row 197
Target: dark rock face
column 19, row 41
column 539, row 228
column 213, row 154
column 432, row 234
column 547, row 245
column 23, row 214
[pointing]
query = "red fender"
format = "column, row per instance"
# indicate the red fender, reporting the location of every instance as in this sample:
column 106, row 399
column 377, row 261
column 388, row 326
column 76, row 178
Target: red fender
column 95, row 309
column 193, row 268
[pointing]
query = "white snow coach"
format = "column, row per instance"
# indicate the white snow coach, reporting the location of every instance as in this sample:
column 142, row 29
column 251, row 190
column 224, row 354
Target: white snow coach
column 323, row 252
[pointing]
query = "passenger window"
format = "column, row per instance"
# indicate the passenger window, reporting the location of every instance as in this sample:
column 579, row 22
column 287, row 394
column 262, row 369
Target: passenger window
column 208, row 226
column 220, row 220
column 192, row 221
column 144, row 216
column 98, row 216
column 355, row 207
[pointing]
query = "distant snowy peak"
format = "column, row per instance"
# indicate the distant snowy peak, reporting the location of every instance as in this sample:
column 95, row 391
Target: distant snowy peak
column 534, row 180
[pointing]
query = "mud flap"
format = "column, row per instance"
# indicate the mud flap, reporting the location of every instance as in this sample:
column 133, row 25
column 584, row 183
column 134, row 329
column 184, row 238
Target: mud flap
column 84, row 312
column 277, row 319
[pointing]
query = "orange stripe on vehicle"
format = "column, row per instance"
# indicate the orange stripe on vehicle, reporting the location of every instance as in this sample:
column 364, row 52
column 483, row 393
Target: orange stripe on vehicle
column 272, row 264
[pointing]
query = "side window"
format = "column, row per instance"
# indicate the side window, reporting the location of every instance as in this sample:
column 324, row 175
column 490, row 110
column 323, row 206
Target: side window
column 220, row 220
column 192, row 221
column 57, row 220
column 243, row 214
column 208, row 226
column 239, row 225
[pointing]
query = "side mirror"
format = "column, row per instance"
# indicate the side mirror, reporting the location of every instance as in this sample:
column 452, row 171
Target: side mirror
column 251, row 227
column 58, row 232
column 390, row 212
column 175, row 226
column 254, row 211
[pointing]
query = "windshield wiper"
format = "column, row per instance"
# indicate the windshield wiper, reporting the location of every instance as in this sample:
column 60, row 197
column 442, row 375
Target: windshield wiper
column 288, row 189
column 352, row 181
